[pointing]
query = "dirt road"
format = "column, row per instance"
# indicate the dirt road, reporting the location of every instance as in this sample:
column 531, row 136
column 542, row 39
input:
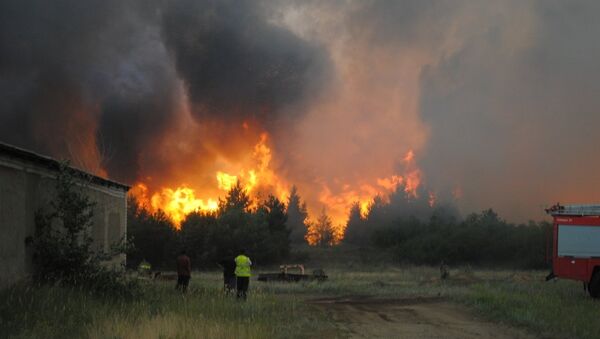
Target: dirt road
column 361, row 317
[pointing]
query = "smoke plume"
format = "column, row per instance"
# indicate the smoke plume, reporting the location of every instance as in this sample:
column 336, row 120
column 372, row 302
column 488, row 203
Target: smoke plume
column 486, row 104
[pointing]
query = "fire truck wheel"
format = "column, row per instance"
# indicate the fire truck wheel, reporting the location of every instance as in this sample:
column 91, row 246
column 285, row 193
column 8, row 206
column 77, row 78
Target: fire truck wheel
column 594, row 285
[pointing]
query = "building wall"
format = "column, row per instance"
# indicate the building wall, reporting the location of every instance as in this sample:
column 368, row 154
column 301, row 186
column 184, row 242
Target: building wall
column 24, row 189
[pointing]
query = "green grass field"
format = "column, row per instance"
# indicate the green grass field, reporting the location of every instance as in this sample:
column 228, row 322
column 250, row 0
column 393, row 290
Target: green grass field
column 159, row 312
column 279, row 310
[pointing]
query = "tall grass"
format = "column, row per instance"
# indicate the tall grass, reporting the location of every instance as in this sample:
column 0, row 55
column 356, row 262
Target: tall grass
column 559, row 309
column 279, row 310
column 159, row 312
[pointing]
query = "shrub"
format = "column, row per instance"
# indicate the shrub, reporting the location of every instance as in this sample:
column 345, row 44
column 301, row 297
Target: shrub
column 62, row 244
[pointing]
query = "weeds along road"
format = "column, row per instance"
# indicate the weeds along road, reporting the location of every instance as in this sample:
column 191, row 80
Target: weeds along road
column 432, row 317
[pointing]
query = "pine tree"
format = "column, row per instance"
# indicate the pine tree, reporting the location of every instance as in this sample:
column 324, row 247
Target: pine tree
column 322, row 231
column 297, row 217
column 356, row 228
column 274, row 212
column 237, row 199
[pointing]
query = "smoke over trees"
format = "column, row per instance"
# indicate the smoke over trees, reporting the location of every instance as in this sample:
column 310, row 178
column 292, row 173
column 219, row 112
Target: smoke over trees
column 235, row 64
column 480, row 239
column 415, row 232
column 77, row 75
column 155, row 90
column 111, row 77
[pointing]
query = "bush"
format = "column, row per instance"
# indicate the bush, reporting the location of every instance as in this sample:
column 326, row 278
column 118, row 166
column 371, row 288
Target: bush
column 62, row 243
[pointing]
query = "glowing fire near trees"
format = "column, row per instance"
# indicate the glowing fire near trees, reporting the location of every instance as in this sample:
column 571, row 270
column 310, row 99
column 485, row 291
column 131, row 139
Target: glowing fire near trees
column 259, row 179
column 183, row 200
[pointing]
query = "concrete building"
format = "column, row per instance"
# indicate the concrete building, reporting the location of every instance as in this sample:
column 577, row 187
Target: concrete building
column 27, row 183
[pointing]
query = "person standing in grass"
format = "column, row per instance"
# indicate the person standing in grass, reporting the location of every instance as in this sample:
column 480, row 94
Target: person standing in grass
column 184, row 271
column 144, row 268
column 242, row 273
column 229, row 278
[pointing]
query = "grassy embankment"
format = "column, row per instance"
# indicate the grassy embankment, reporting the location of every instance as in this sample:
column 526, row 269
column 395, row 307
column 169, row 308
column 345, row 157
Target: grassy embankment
column 553, row 309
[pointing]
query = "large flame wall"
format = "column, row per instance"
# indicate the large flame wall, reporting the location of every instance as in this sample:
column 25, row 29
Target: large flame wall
column 255, row 171
column 495, row 103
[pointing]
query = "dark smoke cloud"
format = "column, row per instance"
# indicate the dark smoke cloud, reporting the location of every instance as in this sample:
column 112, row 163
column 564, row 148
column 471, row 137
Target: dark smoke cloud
column 43, row 58
column 94, row 79
column 498, row 99
column 78, row 72
column 237, row 65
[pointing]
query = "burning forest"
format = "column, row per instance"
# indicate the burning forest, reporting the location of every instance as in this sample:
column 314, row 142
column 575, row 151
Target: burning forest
column 400, row 154
column 254, row 172
column 348, row 103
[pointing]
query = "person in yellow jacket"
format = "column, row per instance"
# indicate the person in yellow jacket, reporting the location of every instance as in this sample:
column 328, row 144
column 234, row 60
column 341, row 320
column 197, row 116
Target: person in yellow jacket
column 242, row 273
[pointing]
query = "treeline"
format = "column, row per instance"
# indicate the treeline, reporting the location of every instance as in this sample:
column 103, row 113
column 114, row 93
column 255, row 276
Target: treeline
column 418, row 233
column 208, row 237
column 410, row 227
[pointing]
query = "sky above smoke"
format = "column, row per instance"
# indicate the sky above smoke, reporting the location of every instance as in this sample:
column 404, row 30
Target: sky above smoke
column 498, row 100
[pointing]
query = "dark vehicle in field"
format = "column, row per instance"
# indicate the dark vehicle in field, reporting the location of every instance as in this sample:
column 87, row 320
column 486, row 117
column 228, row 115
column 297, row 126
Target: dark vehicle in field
column 576, row 245
column 284, row 275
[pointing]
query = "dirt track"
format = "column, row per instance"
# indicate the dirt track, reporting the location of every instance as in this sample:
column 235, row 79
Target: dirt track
column 358, row 317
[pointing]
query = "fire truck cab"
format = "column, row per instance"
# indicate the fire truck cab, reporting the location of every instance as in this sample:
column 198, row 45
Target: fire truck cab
column 576, row 244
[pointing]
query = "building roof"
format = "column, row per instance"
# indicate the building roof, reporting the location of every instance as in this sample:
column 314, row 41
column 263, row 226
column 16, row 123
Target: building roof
column 574, row 210
column 53, row 164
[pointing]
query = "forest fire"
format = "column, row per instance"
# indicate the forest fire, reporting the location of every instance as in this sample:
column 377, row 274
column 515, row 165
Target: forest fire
column 175, row 203
column 259, row 179
column 363, row 194
column 178, row 202
column 172, row 97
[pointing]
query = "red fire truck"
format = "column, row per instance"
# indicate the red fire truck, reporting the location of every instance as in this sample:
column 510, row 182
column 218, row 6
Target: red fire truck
column 576, row 246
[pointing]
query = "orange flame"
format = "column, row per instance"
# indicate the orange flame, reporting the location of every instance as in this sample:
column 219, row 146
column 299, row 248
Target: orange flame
column 258, row 177
column 432, row 199
column 339, row 204
column 226, row 181
column 178, row 202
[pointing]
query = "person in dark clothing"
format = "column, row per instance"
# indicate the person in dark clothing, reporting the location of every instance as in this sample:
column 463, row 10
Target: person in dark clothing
column 229, row 279
column 184, row 271
column 444, row 271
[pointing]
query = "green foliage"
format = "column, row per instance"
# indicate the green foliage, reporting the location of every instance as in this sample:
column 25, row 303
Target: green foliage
column 274, row 211
column 419, row 233
column 356, row 230
column 159, row 311
column 237, row 200
column 400, row 205
column 63, row 247
column 203, row 238
column 481, row 239
column 558, row 309
column 152, row 234
column 62, row 243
